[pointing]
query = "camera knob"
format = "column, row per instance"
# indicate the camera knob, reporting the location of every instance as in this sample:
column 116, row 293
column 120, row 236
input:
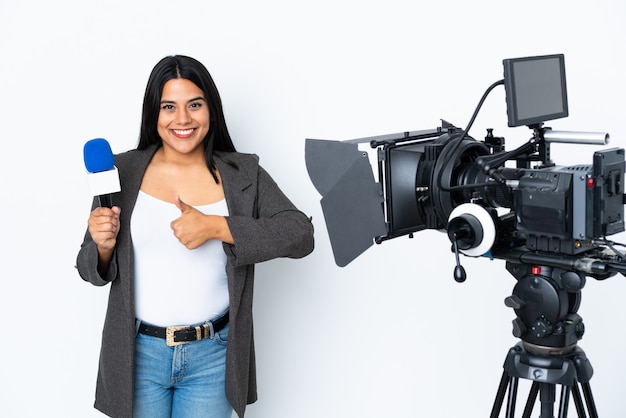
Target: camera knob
column 514, row 302
column 519, row 329
column 572, row 281
column 541, row 328
column 580, row 330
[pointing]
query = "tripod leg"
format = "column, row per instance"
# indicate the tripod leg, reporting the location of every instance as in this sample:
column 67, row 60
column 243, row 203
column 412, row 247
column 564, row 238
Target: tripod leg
column 565, row 391
column 497, row 404
column 591, row 405
column 510, row 405
column 578, row 401
column 530, row 402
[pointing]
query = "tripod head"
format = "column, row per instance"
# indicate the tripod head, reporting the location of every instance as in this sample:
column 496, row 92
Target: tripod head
column 547, row 295
column 546, row 300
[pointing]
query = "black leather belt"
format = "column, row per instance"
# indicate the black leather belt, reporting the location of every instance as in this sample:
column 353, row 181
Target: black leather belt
column 184, row 334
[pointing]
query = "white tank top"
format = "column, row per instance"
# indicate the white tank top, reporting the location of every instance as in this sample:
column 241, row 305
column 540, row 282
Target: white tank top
column 174, row 285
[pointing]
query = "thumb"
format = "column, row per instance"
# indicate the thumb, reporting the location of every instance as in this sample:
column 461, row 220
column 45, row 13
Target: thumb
column 184, row 208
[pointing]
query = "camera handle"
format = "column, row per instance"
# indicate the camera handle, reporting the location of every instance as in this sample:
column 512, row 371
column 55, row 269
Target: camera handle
column 459, row 272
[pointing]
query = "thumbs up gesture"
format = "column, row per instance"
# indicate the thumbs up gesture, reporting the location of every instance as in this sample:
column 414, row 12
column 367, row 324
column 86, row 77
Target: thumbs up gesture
column 190, row 227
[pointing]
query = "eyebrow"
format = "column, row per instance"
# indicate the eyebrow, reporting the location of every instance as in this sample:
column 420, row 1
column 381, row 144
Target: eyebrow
column 188, row 101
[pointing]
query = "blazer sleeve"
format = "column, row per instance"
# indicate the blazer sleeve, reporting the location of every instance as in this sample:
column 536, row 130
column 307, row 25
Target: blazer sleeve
column 276, row 228
column 87, row 265
column 87, row 262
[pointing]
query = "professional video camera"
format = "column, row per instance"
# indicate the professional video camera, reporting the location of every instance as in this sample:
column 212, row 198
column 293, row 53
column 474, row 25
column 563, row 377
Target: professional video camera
column 548, row 222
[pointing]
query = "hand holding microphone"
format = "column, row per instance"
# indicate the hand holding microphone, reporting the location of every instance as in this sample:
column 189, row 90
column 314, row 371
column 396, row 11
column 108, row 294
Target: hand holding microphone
column 104, row 221
column 104, row 225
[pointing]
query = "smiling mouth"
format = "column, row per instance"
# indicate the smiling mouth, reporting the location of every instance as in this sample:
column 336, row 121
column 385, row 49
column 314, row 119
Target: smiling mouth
column 183, row 132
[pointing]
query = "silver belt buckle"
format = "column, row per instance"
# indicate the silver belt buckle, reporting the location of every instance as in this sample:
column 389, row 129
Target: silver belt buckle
column 169, row 335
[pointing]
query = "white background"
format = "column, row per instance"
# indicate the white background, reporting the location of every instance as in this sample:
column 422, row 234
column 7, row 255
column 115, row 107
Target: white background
column 390, row 335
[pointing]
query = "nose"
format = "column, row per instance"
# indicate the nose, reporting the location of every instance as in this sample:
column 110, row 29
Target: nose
column 182, row 116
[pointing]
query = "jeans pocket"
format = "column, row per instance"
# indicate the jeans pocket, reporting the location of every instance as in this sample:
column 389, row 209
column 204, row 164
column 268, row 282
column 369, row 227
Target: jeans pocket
column 222, row 335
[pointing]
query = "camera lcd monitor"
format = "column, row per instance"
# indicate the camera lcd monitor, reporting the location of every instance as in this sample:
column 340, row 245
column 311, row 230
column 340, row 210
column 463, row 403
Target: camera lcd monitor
column 535, row 89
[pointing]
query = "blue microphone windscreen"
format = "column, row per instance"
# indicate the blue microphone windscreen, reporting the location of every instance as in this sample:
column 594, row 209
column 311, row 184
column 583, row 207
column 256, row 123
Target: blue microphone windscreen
column 98, row 155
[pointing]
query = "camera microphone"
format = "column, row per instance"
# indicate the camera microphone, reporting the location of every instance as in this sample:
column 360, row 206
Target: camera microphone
column 102, row 174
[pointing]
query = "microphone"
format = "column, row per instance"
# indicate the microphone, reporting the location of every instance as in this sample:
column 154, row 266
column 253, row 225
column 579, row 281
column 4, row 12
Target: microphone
column 102, row 175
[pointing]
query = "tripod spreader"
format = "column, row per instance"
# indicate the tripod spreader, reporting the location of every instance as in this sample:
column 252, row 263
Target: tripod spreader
column 546, row 368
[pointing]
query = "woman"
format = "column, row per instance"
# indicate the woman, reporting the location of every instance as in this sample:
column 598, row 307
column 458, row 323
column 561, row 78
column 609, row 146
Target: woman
column 179, row 247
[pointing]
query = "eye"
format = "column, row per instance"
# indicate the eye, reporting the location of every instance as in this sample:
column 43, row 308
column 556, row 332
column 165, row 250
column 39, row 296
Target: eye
column 195, row 105
column 167, row 107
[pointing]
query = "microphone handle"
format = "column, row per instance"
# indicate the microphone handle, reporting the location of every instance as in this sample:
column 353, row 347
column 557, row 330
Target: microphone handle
column 105, row 201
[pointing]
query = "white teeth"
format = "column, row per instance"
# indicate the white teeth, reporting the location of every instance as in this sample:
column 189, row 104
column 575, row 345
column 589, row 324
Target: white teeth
column 183, row 132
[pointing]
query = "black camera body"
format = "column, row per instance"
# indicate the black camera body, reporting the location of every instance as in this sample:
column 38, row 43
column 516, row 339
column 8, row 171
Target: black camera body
column 564, row 209
column 443, row 179
column 556, row 209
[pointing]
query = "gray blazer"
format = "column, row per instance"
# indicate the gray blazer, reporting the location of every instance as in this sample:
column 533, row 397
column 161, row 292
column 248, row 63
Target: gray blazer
column 264, row 225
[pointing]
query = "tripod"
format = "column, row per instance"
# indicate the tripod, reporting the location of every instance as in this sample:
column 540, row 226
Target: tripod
column 547, row 369
column 545, row 300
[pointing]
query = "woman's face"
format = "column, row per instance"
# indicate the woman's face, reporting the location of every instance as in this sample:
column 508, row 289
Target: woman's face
column 183, row 117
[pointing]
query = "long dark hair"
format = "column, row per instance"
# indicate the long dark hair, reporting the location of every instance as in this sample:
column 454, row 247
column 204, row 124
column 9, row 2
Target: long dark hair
column 180, row 66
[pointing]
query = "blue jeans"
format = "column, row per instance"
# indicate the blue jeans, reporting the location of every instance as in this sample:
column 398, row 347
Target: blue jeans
column 185, row 381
